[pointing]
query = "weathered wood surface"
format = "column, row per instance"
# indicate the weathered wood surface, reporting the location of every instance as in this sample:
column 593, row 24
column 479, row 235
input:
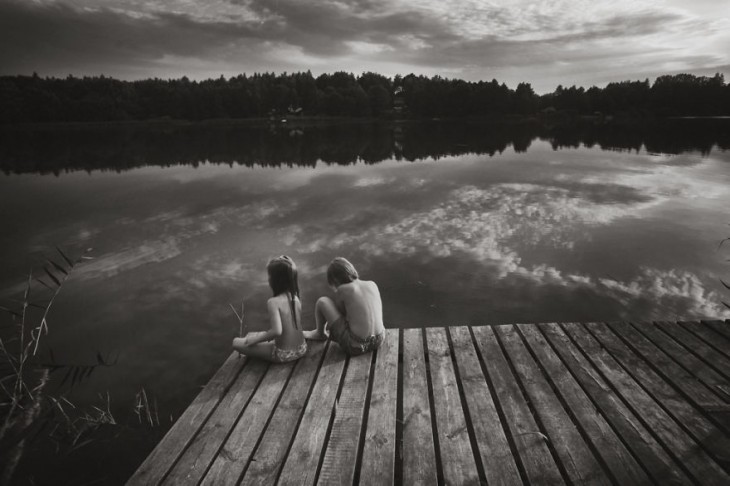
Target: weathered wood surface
column 497, row 461
column 618, row 403
column 270, row 455
column 457, row 459
column 164, row 456
column 378, row 459
column 419, row 456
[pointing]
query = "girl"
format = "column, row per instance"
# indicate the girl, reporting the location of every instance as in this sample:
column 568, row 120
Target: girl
column 285, row 318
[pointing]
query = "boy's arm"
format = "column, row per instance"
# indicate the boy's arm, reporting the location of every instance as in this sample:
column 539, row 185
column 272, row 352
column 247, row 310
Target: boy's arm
column 275, row 328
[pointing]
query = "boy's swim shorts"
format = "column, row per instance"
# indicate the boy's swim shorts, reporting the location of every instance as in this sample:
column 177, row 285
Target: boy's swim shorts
column 350, row 343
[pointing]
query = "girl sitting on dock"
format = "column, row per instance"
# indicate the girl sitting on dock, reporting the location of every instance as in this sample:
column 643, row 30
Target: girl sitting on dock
column 285, row 318
column 354, row 318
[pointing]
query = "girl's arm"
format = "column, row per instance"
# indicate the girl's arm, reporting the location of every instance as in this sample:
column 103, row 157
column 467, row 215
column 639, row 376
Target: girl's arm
column 275, row 328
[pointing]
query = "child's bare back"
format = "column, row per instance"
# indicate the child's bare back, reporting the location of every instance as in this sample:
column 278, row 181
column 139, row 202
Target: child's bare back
column 363, row 308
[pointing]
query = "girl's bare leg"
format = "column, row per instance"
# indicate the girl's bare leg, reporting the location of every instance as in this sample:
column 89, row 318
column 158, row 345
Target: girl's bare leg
column 261, row 350
column 324, row 311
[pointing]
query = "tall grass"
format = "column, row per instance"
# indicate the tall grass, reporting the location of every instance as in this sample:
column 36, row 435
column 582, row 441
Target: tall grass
column 24, row 379
column 725, row 284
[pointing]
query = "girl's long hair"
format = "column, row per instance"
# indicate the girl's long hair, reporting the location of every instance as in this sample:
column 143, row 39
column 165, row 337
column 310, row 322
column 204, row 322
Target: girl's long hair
column 283, row 277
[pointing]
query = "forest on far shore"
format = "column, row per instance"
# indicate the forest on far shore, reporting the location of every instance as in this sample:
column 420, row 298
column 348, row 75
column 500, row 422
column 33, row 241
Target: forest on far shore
column 100, row 98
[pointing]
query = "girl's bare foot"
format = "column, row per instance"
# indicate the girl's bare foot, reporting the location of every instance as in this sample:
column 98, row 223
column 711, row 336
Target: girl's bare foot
column 315, row 335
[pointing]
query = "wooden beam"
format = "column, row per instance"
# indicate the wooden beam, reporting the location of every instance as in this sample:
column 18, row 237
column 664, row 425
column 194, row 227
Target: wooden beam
column 162, row 458
column 340, row 457
column 457, row 458
column 378, row 459
column 534, row 454
column 638, row 439
column 495, row 454
column 270, row 455
column 621, row 463
column 419, row 456
column 300, row 466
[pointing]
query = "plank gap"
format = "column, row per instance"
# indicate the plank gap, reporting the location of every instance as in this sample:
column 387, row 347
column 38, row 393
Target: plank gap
column 674, row 382
column 637, row 413
column 669, row 411
column 431, row 404
column 533, row 411
column 304, row 407
column 500, row 412
column 398, row 465
column 571, row 414
column 266, row 425
column 364, row 426
column 331, row 419
column 467, row 415
column 244, row 368
column 701, row 331
column 664, row 327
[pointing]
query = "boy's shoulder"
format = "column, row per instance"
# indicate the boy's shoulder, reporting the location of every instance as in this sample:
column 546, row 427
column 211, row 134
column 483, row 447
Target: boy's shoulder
column 353, row 286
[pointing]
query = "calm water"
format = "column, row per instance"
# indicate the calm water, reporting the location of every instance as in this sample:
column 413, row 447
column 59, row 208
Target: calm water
column 457, row 223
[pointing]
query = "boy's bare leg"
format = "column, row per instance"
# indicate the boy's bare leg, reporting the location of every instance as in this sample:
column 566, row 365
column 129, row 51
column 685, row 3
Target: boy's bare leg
column 324, row 311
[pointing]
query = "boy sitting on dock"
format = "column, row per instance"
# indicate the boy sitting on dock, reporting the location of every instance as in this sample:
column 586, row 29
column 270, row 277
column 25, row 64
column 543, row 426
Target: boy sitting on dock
column 354, row 318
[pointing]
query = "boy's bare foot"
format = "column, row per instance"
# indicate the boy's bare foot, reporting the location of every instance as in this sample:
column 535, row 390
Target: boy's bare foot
column 315, row 335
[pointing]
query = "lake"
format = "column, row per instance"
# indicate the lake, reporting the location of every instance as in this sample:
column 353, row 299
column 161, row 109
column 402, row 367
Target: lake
column 458, row 223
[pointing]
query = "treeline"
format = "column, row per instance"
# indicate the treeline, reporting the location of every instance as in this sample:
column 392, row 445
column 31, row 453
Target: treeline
column 37, row 99
column 56, row 149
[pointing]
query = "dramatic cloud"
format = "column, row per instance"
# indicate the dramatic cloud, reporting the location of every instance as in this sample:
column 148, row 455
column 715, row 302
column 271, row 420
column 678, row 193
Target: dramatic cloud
column 543, row 42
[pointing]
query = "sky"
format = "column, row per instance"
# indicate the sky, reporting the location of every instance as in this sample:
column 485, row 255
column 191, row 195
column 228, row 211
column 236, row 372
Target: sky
column 543, row 42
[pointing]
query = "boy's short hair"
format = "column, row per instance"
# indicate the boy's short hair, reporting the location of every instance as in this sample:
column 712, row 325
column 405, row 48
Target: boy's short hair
column 341, row 272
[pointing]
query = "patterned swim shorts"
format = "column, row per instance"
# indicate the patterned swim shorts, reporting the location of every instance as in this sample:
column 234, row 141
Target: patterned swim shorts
column 350, row 343
column 279, row 355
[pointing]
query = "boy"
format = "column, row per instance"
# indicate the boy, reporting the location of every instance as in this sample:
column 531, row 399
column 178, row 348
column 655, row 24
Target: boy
column 354, row 318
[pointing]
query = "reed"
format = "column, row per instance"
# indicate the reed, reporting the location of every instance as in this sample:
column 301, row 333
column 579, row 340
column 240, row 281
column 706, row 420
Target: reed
column 23, row 386
column 242, row 328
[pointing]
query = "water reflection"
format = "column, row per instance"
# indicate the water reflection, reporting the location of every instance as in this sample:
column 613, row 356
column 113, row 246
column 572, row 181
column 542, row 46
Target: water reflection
column 494, row 223
column 56, row 149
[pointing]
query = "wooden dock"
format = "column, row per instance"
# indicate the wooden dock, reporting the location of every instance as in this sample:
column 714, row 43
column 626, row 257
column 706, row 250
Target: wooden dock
column 599, row 404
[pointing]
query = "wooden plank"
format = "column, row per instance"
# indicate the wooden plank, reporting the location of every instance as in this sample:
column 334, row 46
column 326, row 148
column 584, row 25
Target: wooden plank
column 158, row 463
column 621, row 464
column 695, row 366
column 716, row 341
column 202, row 451
column 457, row 458
column 693, row 457
column 233, row 458
column 300, row 466
column 535, row 456
column 692, row 389
column 378, row 458
column 578, row 461
column 419, row 456
column 496, row 457
column 661, row 467
column 269, row 456
column 340, row 457
column 715, row 359
column 702, row 430
column 721, row 327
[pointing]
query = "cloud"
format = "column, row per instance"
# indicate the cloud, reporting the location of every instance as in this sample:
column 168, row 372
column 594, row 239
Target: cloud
column 494, row 227
column 539, row 41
